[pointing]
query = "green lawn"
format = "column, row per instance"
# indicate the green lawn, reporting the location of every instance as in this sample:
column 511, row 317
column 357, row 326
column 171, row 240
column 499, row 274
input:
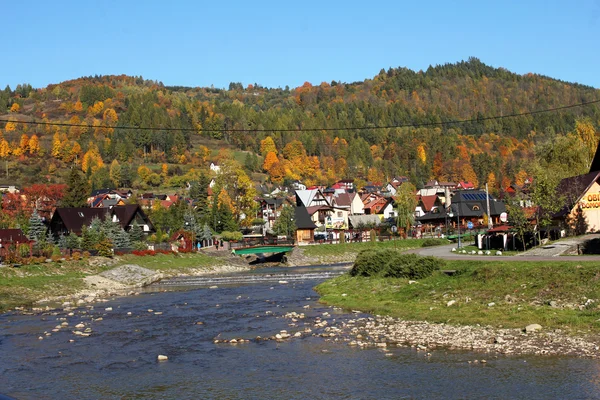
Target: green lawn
column 521, row 293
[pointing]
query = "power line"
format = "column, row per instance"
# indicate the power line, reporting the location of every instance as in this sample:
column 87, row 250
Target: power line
column 359, row 128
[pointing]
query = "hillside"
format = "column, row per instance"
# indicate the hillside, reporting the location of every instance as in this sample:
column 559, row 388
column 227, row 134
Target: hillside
column 91, row 121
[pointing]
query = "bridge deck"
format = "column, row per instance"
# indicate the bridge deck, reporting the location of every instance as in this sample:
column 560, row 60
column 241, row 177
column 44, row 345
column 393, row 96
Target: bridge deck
column 263, row 249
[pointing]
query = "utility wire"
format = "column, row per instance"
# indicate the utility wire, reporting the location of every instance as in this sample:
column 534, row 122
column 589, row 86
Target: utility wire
column 359, row 128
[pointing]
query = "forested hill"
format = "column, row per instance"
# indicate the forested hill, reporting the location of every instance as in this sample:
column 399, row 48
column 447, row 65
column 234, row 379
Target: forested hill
column 320, row 132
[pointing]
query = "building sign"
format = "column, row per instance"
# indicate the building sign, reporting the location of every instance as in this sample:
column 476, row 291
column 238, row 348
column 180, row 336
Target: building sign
column 591, row 200
column 335, row 223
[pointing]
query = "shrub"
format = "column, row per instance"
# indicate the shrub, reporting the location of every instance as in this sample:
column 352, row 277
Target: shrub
column 76, row 255
column 86, row 254
column 231, row 236
column 393, row 264
column 371, row 262
column 412, row 266
column 433, row 242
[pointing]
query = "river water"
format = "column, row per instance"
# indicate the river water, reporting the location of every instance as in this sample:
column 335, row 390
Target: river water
column 119, row 359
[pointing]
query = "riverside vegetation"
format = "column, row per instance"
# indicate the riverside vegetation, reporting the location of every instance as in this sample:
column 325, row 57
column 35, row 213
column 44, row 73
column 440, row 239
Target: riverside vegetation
column 558, row 295
column 27, row 284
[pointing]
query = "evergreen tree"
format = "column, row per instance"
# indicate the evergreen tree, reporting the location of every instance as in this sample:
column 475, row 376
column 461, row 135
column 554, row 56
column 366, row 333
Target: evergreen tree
column 72, row 242
column 62, row 242
column 37, row 229
column 226, row 220
column 77, row 190
column 206, row 233
column 121, row 240
column 135, row 233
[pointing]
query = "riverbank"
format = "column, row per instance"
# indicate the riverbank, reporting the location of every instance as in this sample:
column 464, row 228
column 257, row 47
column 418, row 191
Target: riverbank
column 504, row 307
column 89, row 280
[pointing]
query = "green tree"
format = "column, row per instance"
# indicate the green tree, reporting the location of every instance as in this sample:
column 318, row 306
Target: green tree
column 135, row 233
column 37, row 229
column 545, row 197
column 406, row 202
column 115, row 173
column 518, row 220
column 285, row 224
column 77, row 190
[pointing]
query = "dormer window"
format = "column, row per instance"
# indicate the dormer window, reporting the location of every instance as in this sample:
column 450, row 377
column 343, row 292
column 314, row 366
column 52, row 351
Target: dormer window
column 80, row 214
column 475, row 208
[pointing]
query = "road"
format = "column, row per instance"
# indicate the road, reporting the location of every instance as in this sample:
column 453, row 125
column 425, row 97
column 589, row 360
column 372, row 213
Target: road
column 551, row 252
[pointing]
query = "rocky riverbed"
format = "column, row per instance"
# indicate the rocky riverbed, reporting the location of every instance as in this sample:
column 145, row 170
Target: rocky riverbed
column 386, row 332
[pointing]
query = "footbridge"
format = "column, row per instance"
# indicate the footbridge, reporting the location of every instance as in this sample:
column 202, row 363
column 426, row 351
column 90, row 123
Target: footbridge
column 273, row 248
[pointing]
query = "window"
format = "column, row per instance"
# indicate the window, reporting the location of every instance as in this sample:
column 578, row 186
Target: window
column 475, row 208
column 339, row 213
column 80, row 214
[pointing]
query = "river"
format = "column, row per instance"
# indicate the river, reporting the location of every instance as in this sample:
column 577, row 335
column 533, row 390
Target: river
column 181, row 319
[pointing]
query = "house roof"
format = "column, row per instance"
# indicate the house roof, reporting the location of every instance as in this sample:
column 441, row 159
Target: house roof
column 313, row 209
column 74, row 218
column 13, row 236
column 428, row 202
column 302, row 219
column 574, row 188
column 306, row 196
column 344, row 199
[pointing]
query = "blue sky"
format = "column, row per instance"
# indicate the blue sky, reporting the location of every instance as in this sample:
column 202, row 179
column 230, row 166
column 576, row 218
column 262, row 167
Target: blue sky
column 279, row 43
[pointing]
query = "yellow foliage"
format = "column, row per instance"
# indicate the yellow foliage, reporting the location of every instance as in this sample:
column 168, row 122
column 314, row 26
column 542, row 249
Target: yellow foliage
column 15, row 108
column 270, row 159
column 267, row 145
column 34, row 145
column 24, row 143
column 4, row 149
column 421, row 155
column 10, row 126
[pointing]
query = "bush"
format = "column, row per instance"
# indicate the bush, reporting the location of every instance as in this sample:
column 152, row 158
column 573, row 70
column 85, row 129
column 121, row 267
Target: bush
column 76, row 255
column 371, row 262
column 390, row 263
column 231, row 236
column 433, row 242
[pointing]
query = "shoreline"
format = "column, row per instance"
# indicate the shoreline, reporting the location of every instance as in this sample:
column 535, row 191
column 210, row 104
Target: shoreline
column 99, row 287
column 383, row 331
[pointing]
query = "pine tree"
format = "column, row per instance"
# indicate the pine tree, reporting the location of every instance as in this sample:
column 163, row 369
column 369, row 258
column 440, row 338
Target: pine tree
column 37, row 229
column 77, row 190
column 135, row 233
column 121, row 240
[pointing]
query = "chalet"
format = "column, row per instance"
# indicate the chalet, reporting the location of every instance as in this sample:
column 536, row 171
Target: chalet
column 427, row 204
column 311, row 198
column 351, row 201
column 12, row 238
column 394, row 184
column 305, row 232
column 215, row 168
column 270, row 208
column 73, row 219
column 9, row 189
column 465, row 186
column 581, row 210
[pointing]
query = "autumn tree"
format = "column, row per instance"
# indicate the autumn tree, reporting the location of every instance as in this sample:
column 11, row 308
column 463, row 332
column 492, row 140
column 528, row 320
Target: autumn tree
column 267, row 145
column 406, row 202
column 270, row 159
column 34, row 145
column 115, row 173
column 4, row 149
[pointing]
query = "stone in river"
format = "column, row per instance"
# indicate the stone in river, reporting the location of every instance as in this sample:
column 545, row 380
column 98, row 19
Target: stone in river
column 162, row 357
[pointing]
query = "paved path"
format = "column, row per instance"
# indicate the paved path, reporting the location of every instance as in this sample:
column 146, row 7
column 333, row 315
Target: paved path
column 543, row 253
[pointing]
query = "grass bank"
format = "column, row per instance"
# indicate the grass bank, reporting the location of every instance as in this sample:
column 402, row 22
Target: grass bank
column 560, row 294
column 346, row 252
column 25, row 285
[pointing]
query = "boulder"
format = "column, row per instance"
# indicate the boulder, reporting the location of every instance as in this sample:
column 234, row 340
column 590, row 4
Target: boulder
column 532, row 328
column 450, row 303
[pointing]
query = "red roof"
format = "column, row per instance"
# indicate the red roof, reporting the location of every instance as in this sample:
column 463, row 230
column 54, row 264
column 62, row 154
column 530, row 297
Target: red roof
column 428, row 202
column 500, row 228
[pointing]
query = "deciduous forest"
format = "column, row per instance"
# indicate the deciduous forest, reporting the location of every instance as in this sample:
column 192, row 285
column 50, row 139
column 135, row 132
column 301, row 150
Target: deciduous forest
column 130, row 132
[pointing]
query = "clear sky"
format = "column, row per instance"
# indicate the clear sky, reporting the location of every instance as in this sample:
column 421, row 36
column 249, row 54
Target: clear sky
column 279, row 43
